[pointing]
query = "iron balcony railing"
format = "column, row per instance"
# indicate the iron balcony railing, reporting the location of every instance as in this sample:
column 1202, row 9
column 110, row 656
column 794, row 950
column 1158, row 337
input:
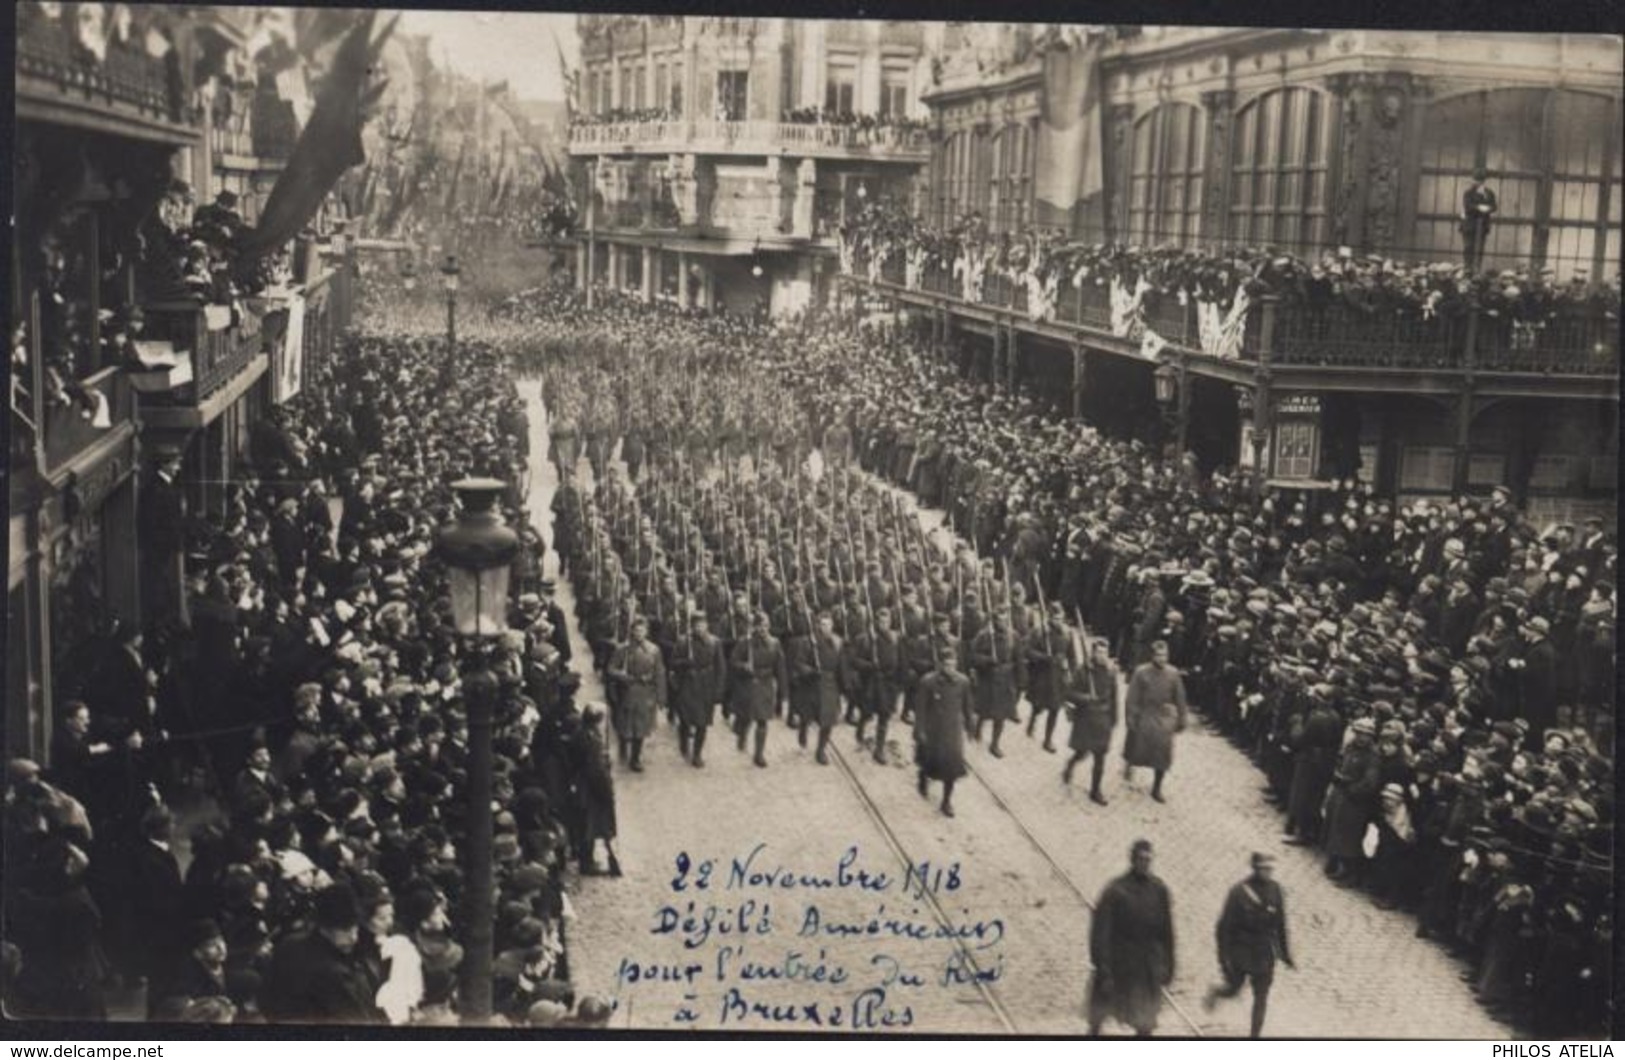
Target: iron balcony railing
column 1574, row 338
column 125, row 78
column 711, row 134
column 217, row 354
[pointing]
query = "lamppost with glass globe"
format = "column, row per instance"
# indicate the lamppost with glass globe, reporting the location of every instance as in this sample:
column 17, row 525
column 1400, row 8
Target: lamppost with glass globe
column 451, row 276
column 1166, row 383
column 479, row 549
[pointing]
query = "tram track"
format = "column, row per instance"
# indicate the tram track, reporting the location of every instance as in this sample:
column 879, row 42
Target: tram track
column 1056, row 868
column 1066, row 879
column 872, row 809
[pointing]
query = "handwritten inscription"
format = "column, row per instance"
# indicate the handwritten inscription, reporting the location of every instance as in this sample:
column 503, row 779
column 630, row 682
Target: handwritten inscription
column 752, row 940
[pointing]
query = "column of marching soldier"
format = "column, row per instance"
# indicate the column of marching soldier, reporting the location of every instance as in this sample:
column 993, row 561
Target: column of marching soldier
column 809, row 592
column 772, row 590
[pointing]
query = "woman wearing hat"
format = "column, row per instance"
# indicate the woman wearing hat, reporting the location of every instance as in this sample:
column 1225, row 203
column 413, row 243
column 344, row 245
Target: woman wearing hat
column 1351, row 804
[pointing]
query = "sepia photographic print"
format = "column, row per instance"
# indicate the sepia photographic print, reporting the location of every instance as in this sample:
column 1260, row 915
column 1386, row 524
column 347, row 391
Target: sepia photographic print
column 753, row 524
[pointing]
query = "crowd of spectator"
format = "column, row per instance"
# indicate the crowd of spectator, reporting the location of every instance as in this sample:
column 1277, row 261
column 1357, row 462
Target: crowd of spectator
column 258, row 815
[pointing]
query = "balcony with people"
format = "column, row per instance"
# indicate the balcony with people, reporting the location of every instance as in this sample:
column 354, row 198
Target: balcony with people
column 1330, row 307
column 812, row 133
column 103, row 67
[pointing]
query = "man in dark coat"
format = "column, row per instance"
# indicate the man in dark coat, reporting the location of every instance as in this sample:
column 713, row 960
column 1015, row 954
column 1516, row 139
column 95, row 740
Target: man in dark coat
column 155, row 898
column 1131, row 944
column 942, row 716
column 162, row 530
column 1536, row 668
column 1251, row 936
column 1154, row 711
column 314, row 976
column 1091, row 698
column 700, row 673
column 196, row 990
column 1316, row 743
column 560, row 635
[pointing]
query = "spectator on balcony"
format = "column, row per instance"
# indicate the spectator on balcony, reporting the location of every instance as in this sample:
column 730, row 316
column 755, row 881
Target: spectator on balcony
column 1478, row 206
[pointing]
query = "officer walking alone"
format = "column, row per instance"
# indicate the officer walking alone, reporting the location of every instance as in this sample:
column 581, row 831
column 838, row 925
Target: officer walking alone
column 1252, row 935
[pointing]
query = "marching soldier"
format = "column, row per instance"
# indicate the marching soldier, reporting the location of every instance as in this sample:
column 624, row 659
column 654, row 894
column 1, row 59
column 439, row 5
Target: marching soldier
column 700, row 674
column 1091, row 698
column 760, row 685
column 993, row 654
column 815, row 669
column 1155, row 710
column 1048, row 647
column 641, row 676
column 1251, row 937
column 875, row 656
column 939, row 727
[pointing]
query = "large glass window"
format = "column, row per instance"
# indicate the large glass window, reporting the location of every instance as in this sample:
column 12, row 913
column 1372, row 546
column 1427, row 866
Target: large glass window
column 841, row 87
column 1165, row 188
column 662, row 85
column 733, row 94
column 627, row 77
column 1552, row 158
column 1278, row 192
column 894, row 92
column 1009, row 185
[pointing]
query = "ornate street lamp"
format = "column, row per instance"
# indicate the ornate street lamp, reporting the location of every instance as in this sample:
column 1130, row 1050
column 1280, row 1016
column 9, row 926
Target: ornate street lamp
column 450, row 279
column 479, row 549
column 1165, row 384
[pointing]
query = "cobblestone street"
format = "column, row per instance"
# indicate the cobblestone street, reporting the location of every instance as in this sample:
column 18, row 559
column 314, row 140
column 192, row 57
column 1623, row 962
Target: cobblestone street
column 1031, row 854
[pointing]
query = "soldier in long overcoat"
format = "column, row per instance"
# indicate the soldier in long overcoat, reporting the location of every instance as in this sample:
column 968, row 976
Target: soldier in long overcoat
column 700, row 674
column 1154, row 710
column 1047, row 646
column 875, row 659
column 1091, row 698
column 1131, row 944
column 816, row 672
column 641, row 675
column 759, row 684
column 941, row 718
column 993, row 655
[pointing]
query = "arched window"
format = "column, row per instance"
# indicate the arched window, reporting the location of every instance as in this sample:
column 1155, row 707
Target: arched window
column 953, row 182
column 1278, row 184
column 1553, row 161
column 1165, row 189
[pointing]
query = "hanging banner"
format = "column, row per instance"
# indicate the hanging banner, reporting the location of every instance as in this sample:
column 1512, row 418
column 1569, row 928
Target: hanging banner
column 288, row 360
column 1070, row 143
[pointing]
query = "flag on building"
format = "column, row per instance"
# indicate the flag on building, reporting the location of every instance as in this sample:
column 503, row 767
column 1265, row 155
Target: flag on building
column 1069, row 173
column 330, row 143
